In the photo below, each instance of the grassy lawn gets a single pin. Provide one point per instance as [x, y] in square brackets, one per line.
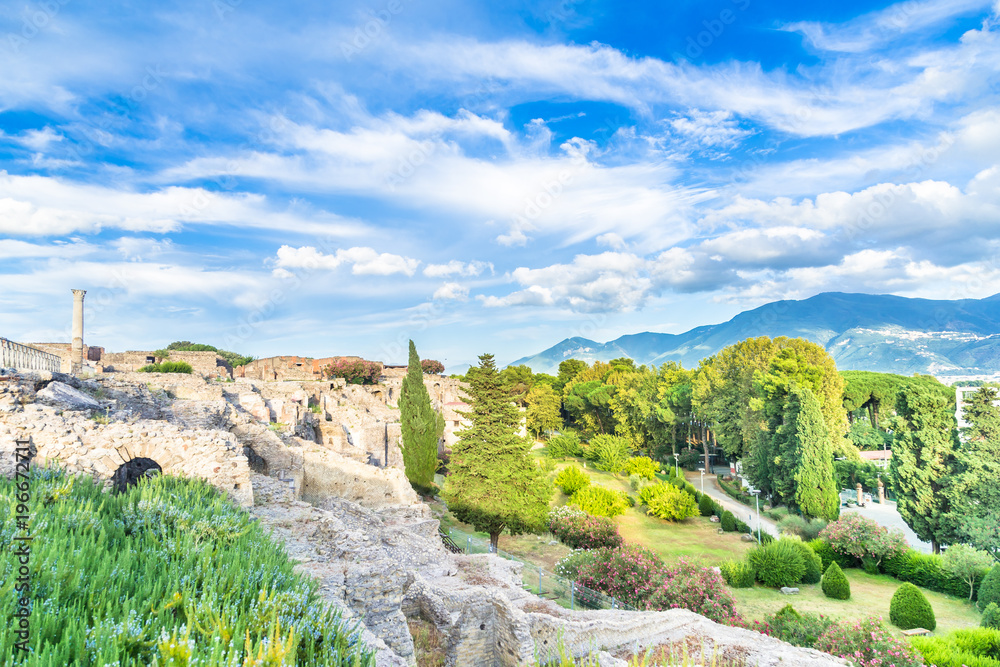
[870, 596]
[694, 539]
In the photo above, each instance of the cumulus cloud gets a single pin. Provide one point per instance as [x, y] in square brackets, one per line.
[363, 261]
[452, 292]
[457, 268]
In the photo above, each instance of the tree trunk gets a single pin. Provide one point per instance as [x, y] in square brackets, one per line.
[708, 434]
[935, 547]
[495, 540]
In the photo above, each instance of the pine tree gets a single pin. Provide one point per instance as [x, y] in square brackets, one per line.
[421, 427]
[807, 451]
[494, 483]
[975, 500]
[923, 463]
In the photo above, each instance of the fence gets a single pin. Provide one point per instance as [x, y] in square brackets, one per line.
[26, 358]
[545, 584]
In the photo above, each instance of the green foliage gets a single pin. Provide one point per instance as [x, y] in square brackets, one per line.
[600, 501]
[926, 571]
[909, 609]
[991, 616]
[738, 573]
[707, 506]
[421, 427]
[966, 563]
[923, 449]
[977, 505]
[777, 564]
[564, 445]
[354, 371]
[162, 354]
[807, 529]
[813, 572]
[859, 537]
[571, 479]
[494, 484]
[947, 651]
[835, 584]
[543, 410]
[609, 452]
[234, 359]
[570, 564]
[728, 521]
[989, 589]
[431, 366]
[168, 367]
[672, 504]
[642, 466]
[169, 568]
[797, 629]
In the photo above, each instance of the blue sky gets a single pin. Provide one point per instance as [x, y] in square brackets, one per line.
[335, 178]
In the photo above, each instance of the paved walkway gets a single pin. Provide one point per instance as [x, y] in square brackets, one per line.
[887, 515]
[741, 511]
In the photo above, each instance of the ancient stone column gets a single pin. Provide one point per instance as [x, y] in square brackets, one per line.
[881, 492]
[77, 349]
[861, 495]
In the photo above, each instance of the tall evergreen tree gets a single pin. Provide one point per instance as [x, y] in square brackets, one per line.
[807, 455]
[421, 427]
[976, 496]
[494, 483]
[923, 463]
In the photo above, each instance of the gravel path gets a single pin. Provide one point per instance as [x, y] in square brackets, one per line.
[741, 511]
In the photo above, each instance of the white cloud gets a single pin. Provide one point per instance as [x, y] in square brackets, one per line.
[39, 140]
[363, 261]
[714, 129]
[457, 268]
[11, 249]
[451, 291]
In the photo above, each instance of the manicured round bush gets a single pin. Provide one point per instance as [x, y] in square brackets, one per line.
[777, 564]
[813, 565]
[835, 583]
[991, 616]
[672, 504]
[706, 506]
[642, 466]
[728, 521]
[571, 479]
[909, 609]
[600, 501]
[738, 573]
[989, 590]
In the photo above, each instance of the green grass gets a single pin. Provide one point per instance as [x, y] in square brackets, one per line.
[169, 572]
[694, 539]
[870, 595]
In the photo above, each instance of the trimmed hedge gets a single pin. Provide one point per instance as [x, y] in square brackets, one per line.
[991, 616]
[925, 571]
[940, 652]
[989, 589]
[835, 584]
[728, 521]
[828, 555]
[814, 565]
[909, 609]
[706, 506]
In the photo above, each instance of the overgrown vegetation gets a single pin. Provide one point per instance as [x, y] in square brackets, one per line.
[168, 573]
[233, 358]
[168, 367]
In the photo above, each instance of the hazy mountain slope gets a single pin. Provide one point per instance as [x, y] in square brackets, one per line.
[861, 331]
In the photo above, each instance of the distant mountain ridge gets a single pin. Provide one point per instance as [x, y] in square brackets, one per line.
[875, 332]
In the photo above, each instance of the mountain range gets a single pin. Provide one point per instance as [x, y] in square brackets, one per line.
[874, 332]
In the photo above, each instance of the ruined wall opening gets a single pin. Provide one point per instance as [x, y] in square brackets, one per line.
[130, 472]
[257, 463]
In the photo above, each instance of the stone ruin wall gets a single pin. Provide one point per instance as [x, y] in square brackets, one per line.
[208, 364]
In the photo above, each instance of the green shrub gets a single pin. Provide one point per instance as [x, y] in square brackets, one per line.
[926, 571]
[600, 501]
[974, 647]
[742, 527]
[777, 564]
[813, 573]
[989, 589]
[571, 479]
[807, 529]
[570, 564]
[777, 513]
[609, 452]
[991, 616]
[797, 629]
[738, 573]
[563, 445]
[869, 565]
[649, 491]
[867, 643]
[672, 504]
[706, 506]
[168, 367]
[835, 584]
[828, 555]
[167, 572]
[642, 466]
[909, 609]
[728, 521]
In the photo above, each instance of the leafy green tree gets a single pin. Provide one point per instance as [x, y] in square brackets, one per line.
[518, 380]
[421, 427]
[568, 370]
[804, 468]
[923, 462]
[967, 563]
[543, 410]
[494, 484]
[671, 413]
[976, 496]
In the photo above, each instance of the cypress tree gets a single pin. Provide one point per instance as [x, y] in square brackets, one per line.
[494, 483]
[975, 499]
[923, 462]
[808, 449]
[421, 427]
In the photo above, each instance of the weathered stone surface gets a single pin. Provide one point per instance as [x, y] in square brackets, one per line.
[66, 397]
[787, 590]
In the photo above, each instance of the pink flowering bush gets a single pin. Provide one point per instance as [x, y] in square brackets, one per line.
[579, 530]
[868, 644]
[355, 371]
[698, 589]
[630, 573]
[860, 537]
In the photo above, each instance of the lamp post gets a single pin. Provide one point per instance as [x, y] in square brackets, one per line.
[677, 470]
[756, 496]
[702, 471]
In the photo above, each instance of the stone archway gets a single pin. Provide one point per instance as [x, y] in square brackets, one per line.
[129, 473]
